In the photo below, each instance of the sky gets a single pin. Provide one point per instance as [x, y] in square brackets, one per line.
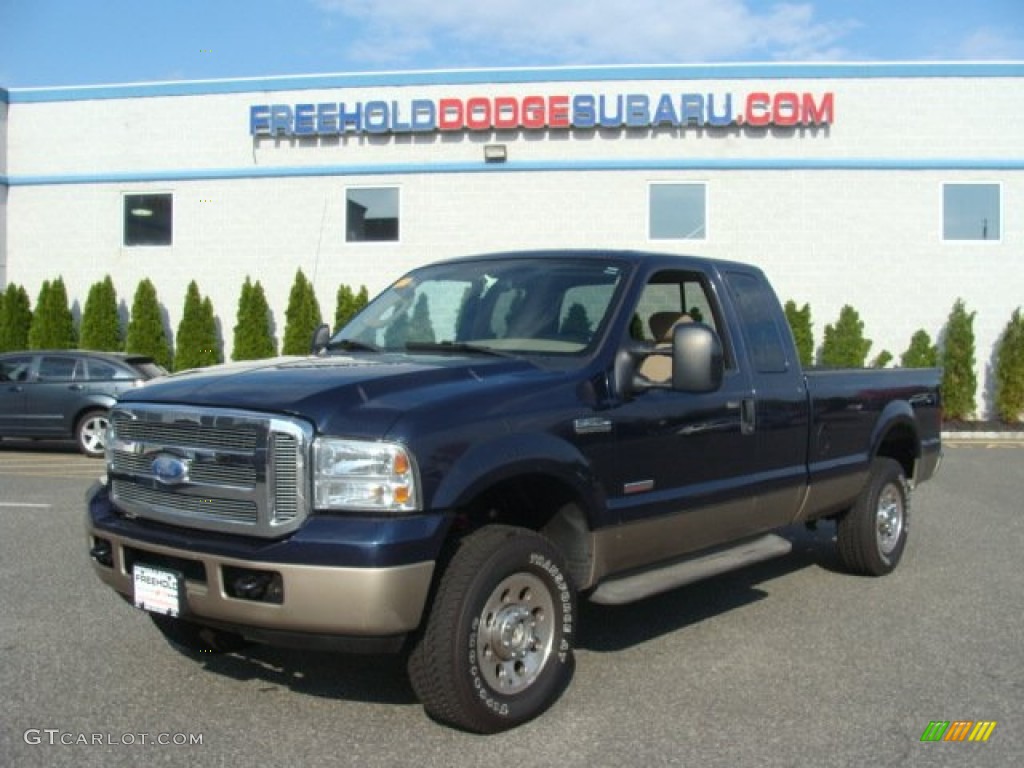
[91, 42]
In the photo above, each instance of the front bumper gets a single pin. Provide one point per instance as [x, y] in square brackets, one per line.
[362, 591]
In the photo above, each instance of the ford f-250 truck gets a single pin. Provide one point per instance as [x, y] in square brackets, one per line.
[488, 441]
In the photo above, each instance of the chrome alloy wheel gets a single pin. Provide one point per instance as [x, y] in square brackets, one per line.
[92, 433]
[889, 518]
[516, 635]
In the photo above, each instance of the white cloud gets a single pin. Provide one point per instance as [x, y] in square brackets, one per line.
[459, 32]
[988, 43]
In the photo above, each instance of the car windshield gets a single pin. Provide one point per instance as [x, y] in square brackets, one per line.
[554, 306]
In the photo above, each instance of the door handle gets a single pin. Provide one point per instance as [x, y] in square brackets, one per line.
[76, 387]
[748, 416]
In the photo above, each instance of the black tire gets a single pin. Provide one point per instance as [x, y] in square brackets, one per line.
[196, 639]
[90, 433]
[872, 535]
[496, 650]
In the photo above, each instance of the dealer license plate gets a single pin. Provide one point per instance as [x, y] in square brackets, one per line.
[158, 590]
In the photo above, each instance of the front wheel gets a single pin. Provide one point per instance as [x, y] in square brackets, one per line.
[497, 647]
[872, 535]
[90, 433]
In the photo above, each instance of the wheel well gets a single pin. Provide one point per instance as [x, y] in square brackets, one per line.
[900, 444]
[540, 503]
[89, 409]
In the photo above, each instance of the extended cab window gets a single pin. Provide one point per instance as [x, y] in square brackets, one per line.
[757, 308]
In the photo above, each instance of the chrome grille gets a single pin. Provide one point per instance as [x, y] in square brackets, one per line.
[230, 470]
[195, 506]
[286, 475]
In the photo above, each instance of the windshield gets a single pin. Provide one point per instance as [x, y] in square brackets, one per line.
[554, 306]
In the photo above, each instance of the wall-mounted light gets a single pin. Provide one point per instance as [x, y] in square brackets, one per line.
[143, 212]
[495, 153]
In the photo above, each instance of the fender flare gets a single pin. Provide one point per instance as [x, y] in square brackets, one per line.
[896, 415]
[512, 455]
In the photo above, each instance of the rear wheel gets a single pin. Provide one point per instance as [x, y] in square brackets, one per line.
[872, 535]
[496, 650]
[90, 433]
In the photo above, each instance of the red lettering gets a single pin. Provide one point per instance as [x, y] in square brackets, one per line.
[786, 109]
[558, 111]
[817, 114]
[450, 115]
[478, 114]
[533, 112]
[506, 113]
[758, 113]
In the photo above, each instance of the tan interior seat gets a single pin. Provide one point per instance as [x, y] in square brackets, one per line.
[659, 367]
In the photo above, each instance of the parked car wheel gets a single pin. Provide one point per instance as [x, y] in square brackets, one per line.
[496, 650]
[872, 535]
[90, 433]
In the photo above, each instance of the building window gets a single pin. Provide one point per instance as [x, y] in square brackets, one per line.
[971, 212]
[149, 219]
[371, 215]
[678, 212]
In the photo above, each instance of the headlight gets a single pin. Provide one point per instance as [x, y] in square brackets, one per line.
[358, 475]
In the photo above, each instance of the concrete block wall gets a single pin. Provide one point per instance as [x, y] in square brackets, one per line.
[848, 213]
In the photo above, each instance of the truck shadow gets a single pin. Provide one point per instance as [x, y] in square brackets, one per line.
[609, 628]
[374, 679]
[381, 679]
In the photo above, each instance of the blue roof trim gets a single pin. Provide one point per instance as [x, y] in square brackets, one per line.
[523, 75]
[681, 164]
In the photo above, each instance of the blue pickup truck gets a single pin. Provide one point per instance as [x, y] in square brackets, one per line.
[489, 441]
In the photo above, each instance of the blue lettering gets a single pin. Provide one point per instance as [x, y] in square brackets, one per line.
[326, 119]
[281, 119]
[259, 120]
[724, 119]
[638, 110]
[584, 112]
[376, 117]
[396, 124]
[693, 109]
[424, 115]
[353, 120]
[304, 119]
[608, 121]
[666, 112]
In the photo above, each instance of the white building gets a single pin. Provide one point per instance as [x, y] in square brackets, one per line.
[895, 188]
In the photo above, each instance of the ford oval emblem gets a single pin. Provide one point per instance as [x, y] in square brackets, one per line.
[170, 469]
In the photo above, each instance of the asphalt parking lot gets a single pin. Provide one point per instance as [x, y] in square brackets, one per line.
[789, 663]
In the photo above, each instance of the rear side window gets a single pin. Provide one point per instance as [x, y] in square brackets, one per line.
[100, 370]
[57, 369]
[146, 368]
[757, 308]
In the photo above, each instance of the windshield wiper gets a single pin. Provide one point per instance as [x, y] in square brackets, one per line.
[452, 347]
[351, 344]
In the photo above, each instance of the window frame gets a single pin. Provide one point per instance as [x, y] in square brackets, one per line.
[682, 277]
[125, 195]
[942, 213]
[397, 188]
[704, 185]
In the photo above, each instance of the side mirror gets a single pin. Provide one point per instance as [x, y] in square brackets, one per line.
[698, 363]
[321, 336]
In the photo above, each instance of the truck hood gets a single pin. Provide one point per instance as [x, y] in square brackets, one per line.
[354, 394]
